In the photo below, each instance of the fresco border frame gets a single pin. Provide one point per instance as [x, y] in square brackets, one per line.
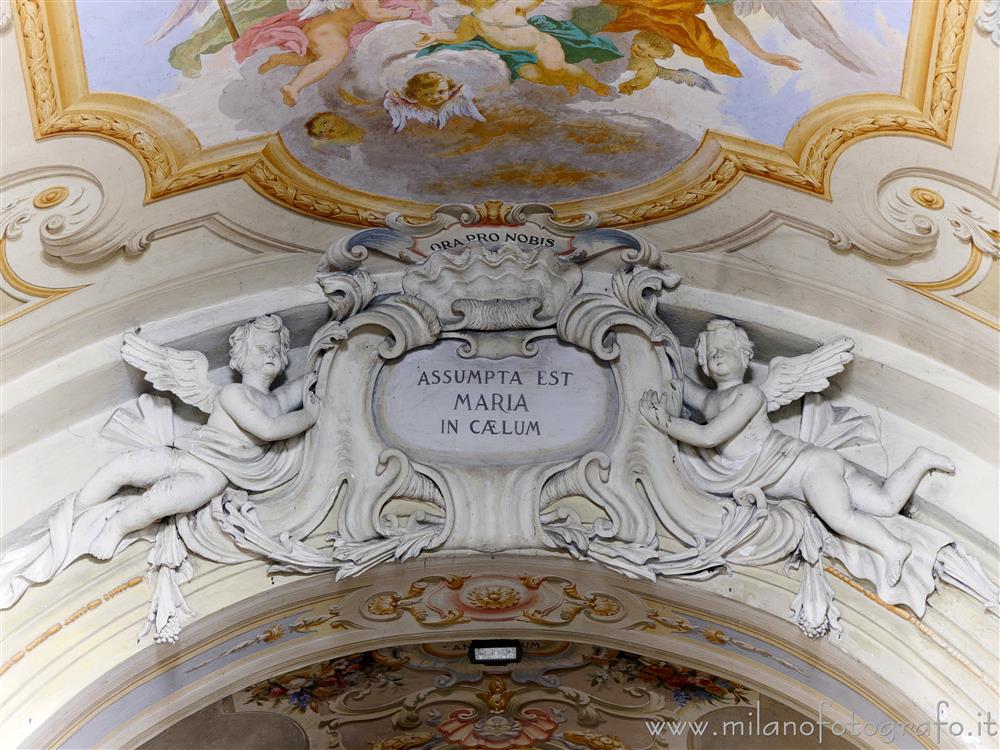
[174, 161]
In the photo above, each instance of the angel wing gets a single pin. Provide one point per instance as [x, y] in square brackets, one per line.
[185, 374]
[790, 378]
[184, 9]
[683, 75]
[460, 105]
[402, 110]
[804, 20]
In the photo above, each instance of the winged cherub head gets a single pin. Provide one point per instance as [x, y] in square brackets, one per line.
[724, 350]
[429, 97]
[260, 346]
[429, 89]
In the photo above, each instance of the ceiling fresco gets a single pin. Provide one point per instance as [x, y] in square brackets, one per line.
[349, 109]
[561, 696]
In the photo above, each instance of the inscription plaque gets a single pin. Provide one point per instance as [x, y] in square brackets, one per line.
[438, 406]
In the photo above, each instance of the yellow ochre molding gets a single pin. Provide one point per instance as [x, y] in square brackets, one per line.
[50, 197]
[927, 198]
[43, 295]
[932, 289]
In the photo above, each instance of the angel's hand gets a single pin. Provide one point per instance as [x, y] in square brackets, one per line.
[427, 39]
[628, 87]
[653, 407]
[785, 61]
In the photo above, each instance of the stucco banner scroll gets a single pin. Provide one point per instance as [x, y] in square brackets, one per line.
[499, 394]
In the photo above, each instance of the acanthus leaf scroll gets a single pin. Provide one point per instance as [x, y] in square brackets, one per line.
[272, 467]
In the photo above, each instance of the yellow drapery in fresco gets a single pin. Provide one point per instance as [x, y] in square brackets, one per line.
[678, 21]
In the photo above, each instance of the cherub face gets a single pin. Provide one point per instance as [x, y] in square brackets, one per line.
[723, 356]
[436, 94]
[645, 48]
[328, 127]
[263, 354]
[641, 49]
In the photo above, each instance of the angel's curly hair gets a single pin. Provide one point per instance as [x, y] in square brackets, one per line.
[720, 325]
[421, 81]
[657, 42]
[239, 340]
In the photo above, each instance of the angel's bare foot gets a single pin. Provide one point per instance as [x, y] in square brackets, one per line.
[271, 63]
[895, 561]
[601, 89]
[290, 97]
[572, 88]
[934, 461]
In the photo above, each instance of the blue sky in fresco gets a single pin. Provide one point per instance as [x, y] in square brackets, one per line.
[126, 63]
[771, 126]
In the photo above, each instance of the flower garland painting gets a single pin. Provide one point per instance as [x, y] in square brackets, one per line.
[561, 695]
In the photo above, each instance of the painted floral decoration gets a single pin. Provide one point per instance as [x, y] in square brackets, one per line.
[604, 606]
[684, 684]
[493, 597]
[310, 688]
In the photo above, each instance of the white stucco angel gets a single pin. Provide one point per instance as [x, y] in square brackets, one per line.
[249, 442]
[738, 448]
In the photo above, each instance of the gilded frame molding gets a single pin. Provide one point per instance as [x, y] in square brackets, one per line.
[174, 161]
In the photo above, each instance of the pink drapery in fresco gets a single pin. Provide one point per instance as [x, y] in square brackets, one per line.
[285, 30]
